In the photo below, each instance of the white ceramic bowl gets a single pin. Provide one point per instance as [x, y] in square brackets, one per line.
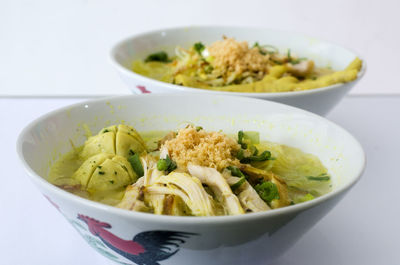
[247, 239]
[324, 53]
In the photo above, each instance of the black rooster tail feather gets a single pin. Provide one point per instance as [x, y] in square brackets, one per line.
[160, 245]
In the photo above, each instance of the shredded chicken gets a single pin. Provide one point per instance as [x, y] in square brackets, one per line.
[151, 174]
[247, 195]
[132, 199]
[219, 186]
[188, 188]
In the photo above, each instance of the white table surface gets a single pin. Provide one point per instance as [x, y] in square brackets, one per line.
[362, 229]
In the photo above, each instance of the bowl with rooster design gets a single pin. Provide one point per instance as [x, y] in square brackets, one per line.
[129, 237]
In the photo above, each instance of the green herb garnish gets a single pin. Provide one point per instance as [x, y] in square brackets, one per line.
[266, 155]
[199, 47]
[158, 57]
[101, 172]
[111, 181]
[268, 191]
[136, 164]
[105, 130]
[322, 177]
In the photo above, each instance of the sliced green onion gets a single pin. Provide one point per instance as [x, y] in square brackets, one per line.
[265, 49]
[240, 139]
[236, 172]
[298, 60]
[240, 154]
[260, 50]
[171, 164]
[267, 191]
[254, 150]
[277, 62]
[238, 184]
[274, 49]
[322, 177]
[166, 164]
[266, 155]
[136, 164]
[289, 55]
[162, 165]
[157, 57]
[208, 69]
[199, 47]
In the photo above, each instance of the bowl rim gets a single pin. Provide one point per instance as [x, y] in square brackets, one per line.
[289, 94]
[182, 220]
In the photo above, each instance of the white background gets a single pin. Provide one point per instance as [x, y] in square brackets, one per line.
[51, 47]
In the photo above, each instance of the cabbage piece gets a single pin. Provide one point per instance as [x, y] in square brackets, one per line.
[117, 140]
[298, 169]
[249, 137]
